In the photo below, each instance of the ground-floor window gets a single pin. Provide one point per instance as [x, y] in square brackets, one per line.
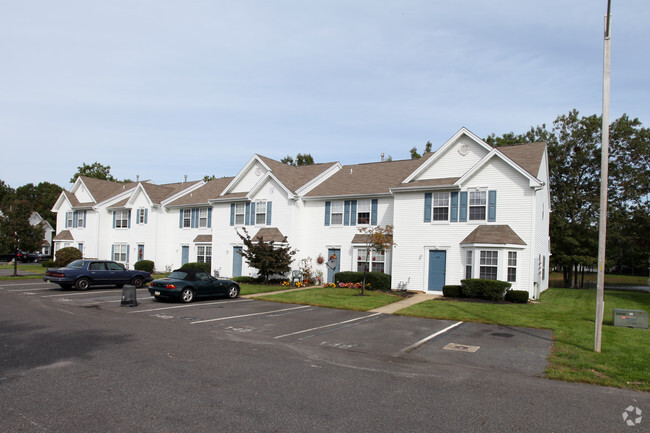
[512, 266]
[468, 264]
[376, 260]
[204, 254]
[121, 253]
[489, 265]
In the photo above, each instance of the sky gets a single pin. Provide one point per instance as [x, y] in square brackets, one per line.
[161, 89]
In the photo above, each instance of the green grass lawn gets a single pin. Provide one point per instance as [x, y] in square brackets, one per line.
[36, 269]
[252, 289]
[624, 360]
[631, 280]
[345, 299]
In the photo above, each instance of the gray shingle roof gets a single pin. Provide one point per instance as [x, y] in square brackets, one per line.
[527, 156]
[493, 234]
[295, 177]
[64, 235]
[201, 195]
[267, 234]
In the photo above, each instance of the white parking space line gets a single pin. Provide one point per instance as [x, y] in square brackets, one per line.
[81, 293]
[35, 281]
[250, 315]
[432, 336]
[34, 289]
[200, 304]
[327, 326]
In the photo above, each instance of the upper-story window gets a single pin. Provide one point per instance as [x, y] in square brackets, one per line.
[240, 213]
[142, 216]
[363, 212]
[477, 205]
[260, 212]
[203, 217]
[69, 221]
[187, 218]
[121, 219]
[441, 206]
[337, 213]
[80, 219]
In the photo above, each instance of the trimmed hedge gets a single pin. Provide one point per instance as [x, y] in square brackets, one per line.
[246, 279]
[492, 290]
[452, 291]
[377, 280]
[200, 266]
[517, 296]
[144, 265]
[67, 255]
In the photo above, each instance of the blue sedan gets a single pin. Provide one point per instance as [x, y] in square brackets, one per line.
[85, 273]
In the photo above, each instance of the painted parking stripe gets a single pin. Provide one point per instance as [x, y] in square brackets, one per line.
[250, 315]
[79, 293]
[430, 337]
[35, 281]
[190, 305]
[34, 289]
[326, 326]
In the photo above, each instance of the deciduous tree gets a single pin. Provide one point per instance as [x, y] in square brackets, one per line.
[16, 233]
[268, 257]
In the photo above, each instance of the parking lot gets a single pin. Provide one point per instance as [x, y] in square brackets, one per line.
[323, 331]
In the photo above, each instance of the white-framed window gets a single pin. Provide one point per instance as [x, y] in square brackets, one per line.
[512, 266]
[489, 265]
[120, 252]
[204, 253]
[468, 264]
[187, 218]
[336, 216]
[69, 219]
[203, 217]
[375, 259]
[121, 219]
[240, 213]
[260, 212]
[440, 206]
[141, 219]
[80, 247]
[477, 205]
[363, 212]
[80, 219]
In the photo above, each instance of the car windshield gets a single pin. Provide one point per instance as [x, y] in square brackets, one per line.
[77, 264]
[178, 275]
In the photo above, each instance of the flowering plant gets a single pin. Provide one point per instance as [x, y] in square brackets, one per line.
[329, 285]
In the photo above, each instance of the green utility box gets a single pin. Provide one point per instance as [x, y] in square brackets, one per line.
[630, 318]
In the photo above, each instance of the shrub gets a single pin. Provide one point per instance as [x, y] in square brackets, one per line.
[452, 291]
[517, 296]
[492, 290]
[200, 266]
[245, 279]
[67, 255]
[377, 280]
[144, 265]
[48, 263]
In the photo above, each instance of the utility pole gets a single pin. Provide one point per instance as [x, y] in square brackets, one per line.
[604, 176]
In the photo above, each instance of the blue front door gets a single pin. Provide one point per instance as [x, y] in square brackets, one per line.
[185, 254]
[333, 265]
[437, 267]
[236, 261]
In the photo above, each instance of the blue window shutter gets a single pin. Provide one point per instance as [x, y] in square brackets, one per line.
[85, 219]
[127, 253]
[269, 208]
[427, 207]
[248, 214]
[492, 206]
[66, 220]
[353, 213]
[232, 214]
[373, 212]
[114, 220]
[128, 220]
[146, 211]
[180, 218]
[112, 252]
[328, 206]
[75, 219]
[209, 217]
[463, 206]
[346, 213]
[192, 218]
[137, 216]
[454, 207]
[253, 213]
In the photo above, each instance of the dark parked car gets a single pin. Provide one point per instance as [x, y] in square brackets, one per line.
[188, 284]
[85, 273]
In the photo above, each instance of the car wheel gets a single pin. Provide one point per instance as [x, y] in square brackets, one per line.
[137, 282]
[82, 284]
[233, 292]
[187, 295]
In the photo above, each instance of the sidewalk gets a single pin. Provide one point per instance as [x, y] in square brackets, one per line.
[396, 306]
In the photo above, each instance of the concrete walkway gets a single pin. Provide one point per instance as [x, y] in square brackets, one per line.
[412, 300]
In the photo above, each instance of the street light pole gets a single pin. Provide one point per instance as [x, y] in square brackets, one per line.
[604, 175]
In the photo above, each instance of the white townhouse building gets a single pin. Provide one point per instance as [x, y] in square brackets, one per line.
[465, 211]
